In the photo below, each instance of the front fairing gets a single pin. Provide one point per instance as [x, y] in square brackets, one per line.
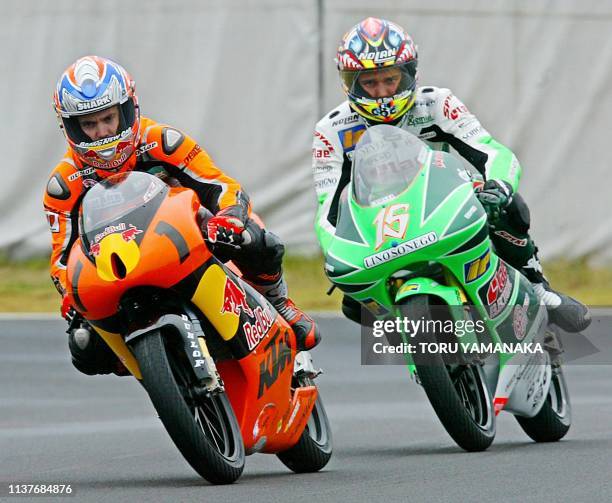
[135, 231]
[434, 227]
[434, 215]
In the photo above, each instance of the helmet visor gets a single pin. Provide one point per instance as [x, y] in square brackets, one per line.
[74, 131]
[376, 83]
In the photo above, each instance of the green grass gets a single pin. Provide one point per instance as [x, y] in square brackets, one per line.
[26, 287]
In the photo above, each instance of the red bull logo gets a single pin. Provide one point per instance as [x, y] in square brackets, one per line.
[94, 249]
[255, 332]
[234, 299]
[130, 233]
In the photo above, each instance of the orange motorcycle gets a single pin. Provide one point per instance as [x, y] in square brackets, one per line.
[218, 362]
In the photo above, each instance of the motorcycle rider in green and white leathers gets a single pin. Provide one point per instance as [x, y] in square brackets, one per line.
[377, 61]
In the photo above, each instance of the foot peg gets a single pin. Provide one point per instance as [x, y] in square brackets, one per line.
[303, 366]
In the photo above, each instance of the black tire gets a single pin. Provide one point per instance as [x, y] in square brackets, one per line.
[555, 417]
[463, 405]
[314, 448]
[219, 458]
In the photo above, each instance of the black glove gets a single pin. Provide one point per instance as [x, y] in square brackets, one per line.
[494, 196]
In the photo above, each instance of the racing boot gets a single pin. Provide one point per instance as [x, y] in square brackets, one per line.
[553, 346]
[306, 331]
[90, 354]
[564, 311]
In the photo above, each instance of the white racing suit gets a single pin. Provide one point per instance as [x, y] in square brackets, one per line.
[442, 121]
[437, 117]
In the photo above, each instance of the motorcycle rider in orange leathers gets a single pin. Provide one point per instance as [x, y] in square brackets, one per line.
[98, 110]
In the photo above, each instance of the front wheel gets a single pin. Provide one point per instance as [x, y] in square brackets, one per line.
[314, 448]
[555, 417]
[204, 429]
[457, 393]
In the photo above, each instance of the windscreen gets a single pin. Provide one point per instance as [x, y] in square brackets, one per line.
[385, 162]
[115, 197]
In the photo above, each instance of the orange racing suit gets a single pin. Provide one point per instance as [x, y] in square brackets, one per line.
[162, 150]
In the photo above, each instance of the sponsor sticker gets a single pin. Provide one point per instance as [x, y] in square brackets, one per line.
[326, 183]
[520, 319]
[145, 148]
[256, 330]
[438, 160]
[130, 233]
[277, 358]
[417, 121]
[109, 230]
[402, 249]
[409, 287]
[499, 291]
[234, 299]
[53, 219]
[93, 104]
[471, 133]
[453, 108]
[321, 153]
[94, 249]
[88, 183]
[81, 172]
[346, 120]
[376, 308]
[378, 56]
[192, 153]
[324, 141]
[512, 239]
[349, 137]
[475, 269]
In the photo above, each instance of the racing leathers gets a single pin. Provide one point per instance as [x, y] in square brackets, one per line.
[176, 158]
[441, 120]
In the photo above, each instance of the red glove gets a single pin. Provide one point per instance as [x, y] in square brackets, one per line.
[225, 227]
[67, 310]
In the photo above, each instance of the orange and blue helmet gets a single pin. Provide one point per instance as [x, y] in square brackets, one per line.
[378, 64]
[90, 85]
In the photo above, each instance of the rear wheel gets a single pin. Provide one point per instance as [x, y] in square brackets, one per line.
[555, 417]
[203, 428]
[457, 393]
[314, 448]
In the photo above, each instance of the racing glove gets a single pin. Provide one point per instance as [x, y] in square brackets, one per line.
[495, 195]
[227, 226]
[68, 312]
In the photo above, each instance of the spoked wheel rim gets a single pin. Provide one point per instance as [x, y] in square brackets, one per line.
[208, 412]
[473, 394]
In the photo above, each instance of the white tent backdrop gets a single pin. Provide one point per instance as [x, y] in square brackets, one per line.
[249, 79]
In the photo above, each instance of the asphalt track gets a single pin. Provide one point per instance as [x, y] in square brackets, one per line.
[101, 435]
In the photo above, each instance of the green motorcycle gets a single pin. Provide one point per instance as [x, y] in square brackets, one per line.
[412, 246]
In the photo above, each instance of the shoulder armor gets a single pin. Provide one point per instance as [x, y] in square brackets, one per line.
[171, 140]
[57, 187]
